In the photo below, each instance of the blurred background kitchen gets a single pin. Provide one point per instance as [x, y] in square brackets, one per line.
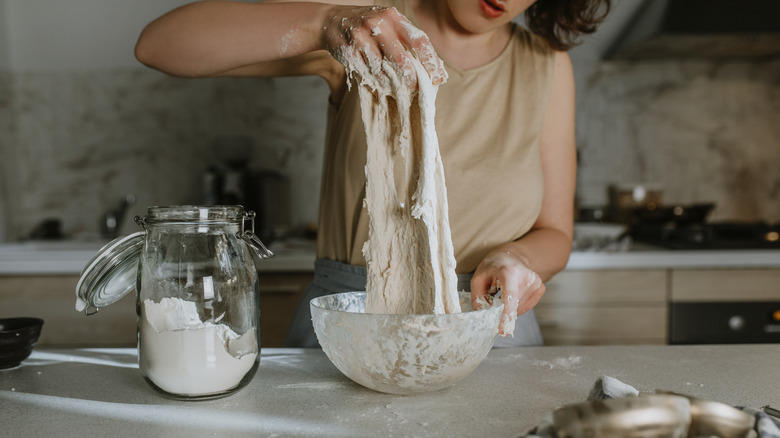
[669, 124]
[82, 124]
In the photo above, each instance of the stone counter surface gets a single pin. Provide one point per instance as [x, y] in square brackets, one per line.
[300, 393]
[70, 258]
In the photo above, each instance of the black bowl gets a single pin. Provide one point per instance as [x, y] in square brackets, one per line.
[17, 339]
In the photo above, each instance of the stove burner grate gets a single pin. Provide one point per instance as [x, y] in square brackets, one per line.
[719, 235]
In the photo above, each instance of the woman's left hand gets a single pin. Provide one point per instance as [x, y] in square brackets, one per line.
[503, 271]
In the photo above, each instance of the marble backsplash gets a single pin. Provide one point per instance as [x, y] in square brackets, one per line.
[73, 143]
[706, 131]
[82, 140]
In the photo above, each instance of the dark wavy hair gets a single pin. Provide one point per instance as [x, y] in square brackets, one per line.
[561, 22]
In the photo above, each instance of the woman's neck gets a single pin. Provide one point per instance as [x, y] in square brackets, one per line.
[458, 46]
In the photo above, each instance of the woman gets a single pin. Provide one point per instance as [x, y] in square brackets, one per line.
[504, 117]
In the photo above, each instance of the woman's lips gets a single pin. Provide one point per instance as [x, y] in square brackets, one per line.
[490, 9]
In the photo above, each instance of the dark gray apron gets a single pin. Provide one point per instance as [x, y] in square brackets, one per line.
[332, 277]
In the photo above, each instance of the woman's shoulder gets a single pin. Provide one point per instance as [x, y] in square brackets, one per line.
[532, 52]
[531, 42]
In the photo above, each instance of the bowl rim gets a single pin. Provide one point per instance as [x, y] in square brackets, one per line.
[437, 315]
[20, 323]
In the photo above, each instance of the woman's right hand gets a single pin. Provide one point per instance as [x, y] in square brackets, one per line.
[369, 35]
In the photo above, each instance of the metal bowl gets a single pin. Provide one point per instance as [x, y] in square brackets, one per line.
[711, 418]
[17, 339]
[632, 417]
[403, 354]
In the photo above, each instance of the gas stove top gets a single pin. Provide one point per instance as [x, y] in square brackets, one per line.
[703, 236]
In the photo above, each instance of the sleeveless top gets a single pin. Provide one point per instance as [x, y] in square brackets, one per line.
[488, 120]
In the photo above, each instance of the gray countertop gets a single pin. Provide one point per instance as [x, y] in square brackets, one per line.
[300, 393]
[70, 258]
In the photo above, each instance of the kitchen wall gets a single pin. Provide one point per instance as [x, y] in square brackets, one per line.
[708, 131]
[5, 114]
[78, 132]
[86, 123]
[82, 140]
[5, 140]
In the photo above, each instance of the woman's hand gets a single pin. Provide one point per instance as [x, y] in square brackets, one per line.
[503, 271]
[367, 36]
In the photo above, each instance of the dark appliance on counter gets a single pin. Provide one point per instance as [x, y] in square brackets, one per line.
[708, 236]
[682, 226]
[232, 180]
[724, 322]
[749, 319]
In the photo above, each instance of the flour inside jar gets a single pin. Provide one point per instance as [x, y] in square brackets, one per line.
[183, 355]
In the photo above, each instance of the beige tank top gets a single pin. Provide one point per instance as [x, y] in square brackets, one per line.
[488, 120]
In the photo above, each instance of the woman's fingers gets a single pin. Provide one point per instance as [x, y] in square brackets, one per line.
[520, 287]
[481, 291]
[425, 52]
[415, 41]
[534, 289]
[379, 42]
[522, 291]
[511, 298]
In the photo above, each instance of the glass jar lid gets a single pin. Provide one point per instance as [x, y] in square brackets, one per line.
[111, 274]
[194, 214]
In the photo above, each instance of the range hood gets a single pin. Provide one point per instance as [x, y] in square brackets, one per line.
[669, 29]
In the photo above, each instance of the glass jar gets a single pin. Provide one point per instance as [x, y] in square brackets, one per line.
[197, 297]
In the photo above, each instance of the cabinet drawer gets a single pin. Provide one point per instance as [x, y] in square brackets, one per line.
[280, 295]
[607, 286]
[53, 299]
[725, 285]
[588, 325]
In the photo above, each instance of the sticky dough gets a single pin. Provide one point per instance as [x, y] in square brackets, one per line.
[409, 254]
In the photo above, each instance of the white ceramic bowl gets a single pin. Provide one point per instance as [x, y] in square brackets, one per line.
[403, 354]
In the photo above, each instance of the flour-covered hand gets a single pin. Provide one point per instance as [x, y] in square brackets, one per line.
[380, 37]
[520, 287]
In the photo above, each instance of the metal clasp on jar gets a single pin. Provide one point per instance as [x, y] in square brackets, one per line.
[249, 236]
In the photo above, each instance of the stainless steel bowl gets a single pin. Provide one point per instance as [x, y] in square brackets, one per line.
[711, 418]
[633, 417]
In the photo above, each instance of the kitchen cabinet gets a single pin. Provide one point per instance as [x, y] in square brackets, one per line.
[724, 306]
[53, 297]
[631, 306]
[725, 285]
[591, 307]
[582, 306]
[280, 294]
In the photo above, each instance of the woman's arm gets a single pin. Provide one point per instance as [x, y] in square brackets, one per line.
[220, 38]
[276, 38]
[519, 268]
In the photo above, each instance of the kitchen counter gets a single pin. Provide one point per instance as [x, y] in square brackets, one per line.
[659, 258]
[63, 258]
[70, 258]
[300, 393]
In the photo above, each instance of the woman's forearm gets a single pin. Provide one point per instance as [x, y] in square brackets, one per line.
[210, 38]
[519, 269]
[545, 251]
